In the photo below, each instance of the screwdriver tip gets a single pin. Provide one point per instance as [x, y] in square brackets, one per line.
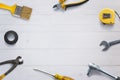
[35, 69]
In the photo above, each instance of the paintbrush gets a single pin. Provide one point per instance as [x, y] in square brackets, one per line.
[19, 11]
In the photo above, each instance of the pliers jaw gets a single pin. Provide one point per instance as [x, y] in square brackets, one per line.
[57, 6]
[14, 62]
[19, 60]
[60, 5]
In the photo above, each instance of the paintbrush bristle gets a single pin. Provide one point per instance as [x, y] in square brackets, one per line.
[23, 12]
[26, 12]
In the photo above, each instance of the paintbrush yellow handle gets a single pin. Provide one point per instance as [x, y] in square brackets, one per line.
[2, 76]
[10, 8]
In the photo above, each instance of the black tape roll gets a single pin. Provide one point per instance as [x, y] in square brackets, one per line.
[6, 37]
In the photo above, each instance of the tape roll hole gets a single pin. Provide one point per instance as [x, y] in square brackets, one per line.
[11, 37]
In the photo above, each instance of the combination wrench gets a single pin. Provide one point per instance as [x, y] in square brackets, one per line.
[94, 67]
[109, 44]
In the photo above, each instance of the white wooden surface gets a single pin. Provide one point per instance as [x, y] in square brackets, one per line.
[60, 42]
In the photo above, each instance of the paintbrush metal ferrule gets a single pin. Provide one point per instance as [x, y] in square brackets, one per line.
[18, 11]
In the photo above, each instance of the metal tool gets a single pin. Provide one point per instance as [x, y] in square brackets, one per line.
[109, 44]
[15, 63]
[23, 12]
[56, 76]
[63, 6]
[94, 67]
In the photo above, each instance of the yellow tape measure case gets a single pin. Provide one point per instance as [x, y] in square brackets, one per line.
[107, 16]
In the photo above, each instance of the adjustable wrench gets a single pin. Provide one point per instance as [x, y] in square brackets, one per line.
[109, 44]
[94, 67]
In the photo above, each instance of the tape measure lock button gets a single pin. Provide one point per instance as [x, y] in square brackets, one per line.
[107, 16]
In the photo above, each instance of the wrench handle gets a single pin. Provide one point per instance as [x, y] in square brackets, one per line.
[114, 42]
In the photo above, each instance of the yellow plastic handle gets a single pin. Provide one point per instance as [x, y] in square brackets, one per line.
[64, 6]
[61, 1]
[2, 76]
[59, 77]
[80, 1]
[10, 8]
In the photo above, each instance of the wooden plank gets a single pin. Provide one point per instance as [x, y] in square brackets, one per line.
[63, 40]
[60, 42]
[42, 7]
[77, 72]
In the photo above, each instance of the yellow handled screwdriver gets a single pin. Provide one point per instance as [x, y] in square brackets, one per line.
[56, 76]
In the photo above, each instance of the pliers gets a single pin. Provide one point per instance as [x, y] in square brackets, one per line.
[14, 62]
[63, 6]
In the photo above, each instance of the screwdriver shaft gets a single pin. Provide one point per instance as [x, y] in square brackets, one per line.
[43, 72]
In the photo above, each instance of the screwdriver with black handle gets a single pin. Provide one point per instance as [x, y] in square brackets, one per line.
[56, 76]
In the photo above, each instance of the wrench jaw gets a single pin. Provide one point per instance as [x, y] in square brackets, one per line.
[106, 44]
[89, 72]
[92, 67]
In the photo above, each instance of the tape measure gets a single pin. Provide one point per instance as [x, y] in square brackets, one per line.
[107, 16]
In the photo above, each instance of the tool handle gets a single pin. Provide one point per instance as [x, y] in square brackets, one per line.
[2, 76]
[59, 77]
[61, 1]
[67, 78]
[10, 8]
[76, 3]
[114, 42]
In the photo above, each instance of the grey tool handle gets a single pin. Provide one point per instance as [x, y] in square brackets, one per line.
[118, 78]
[114, 42]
